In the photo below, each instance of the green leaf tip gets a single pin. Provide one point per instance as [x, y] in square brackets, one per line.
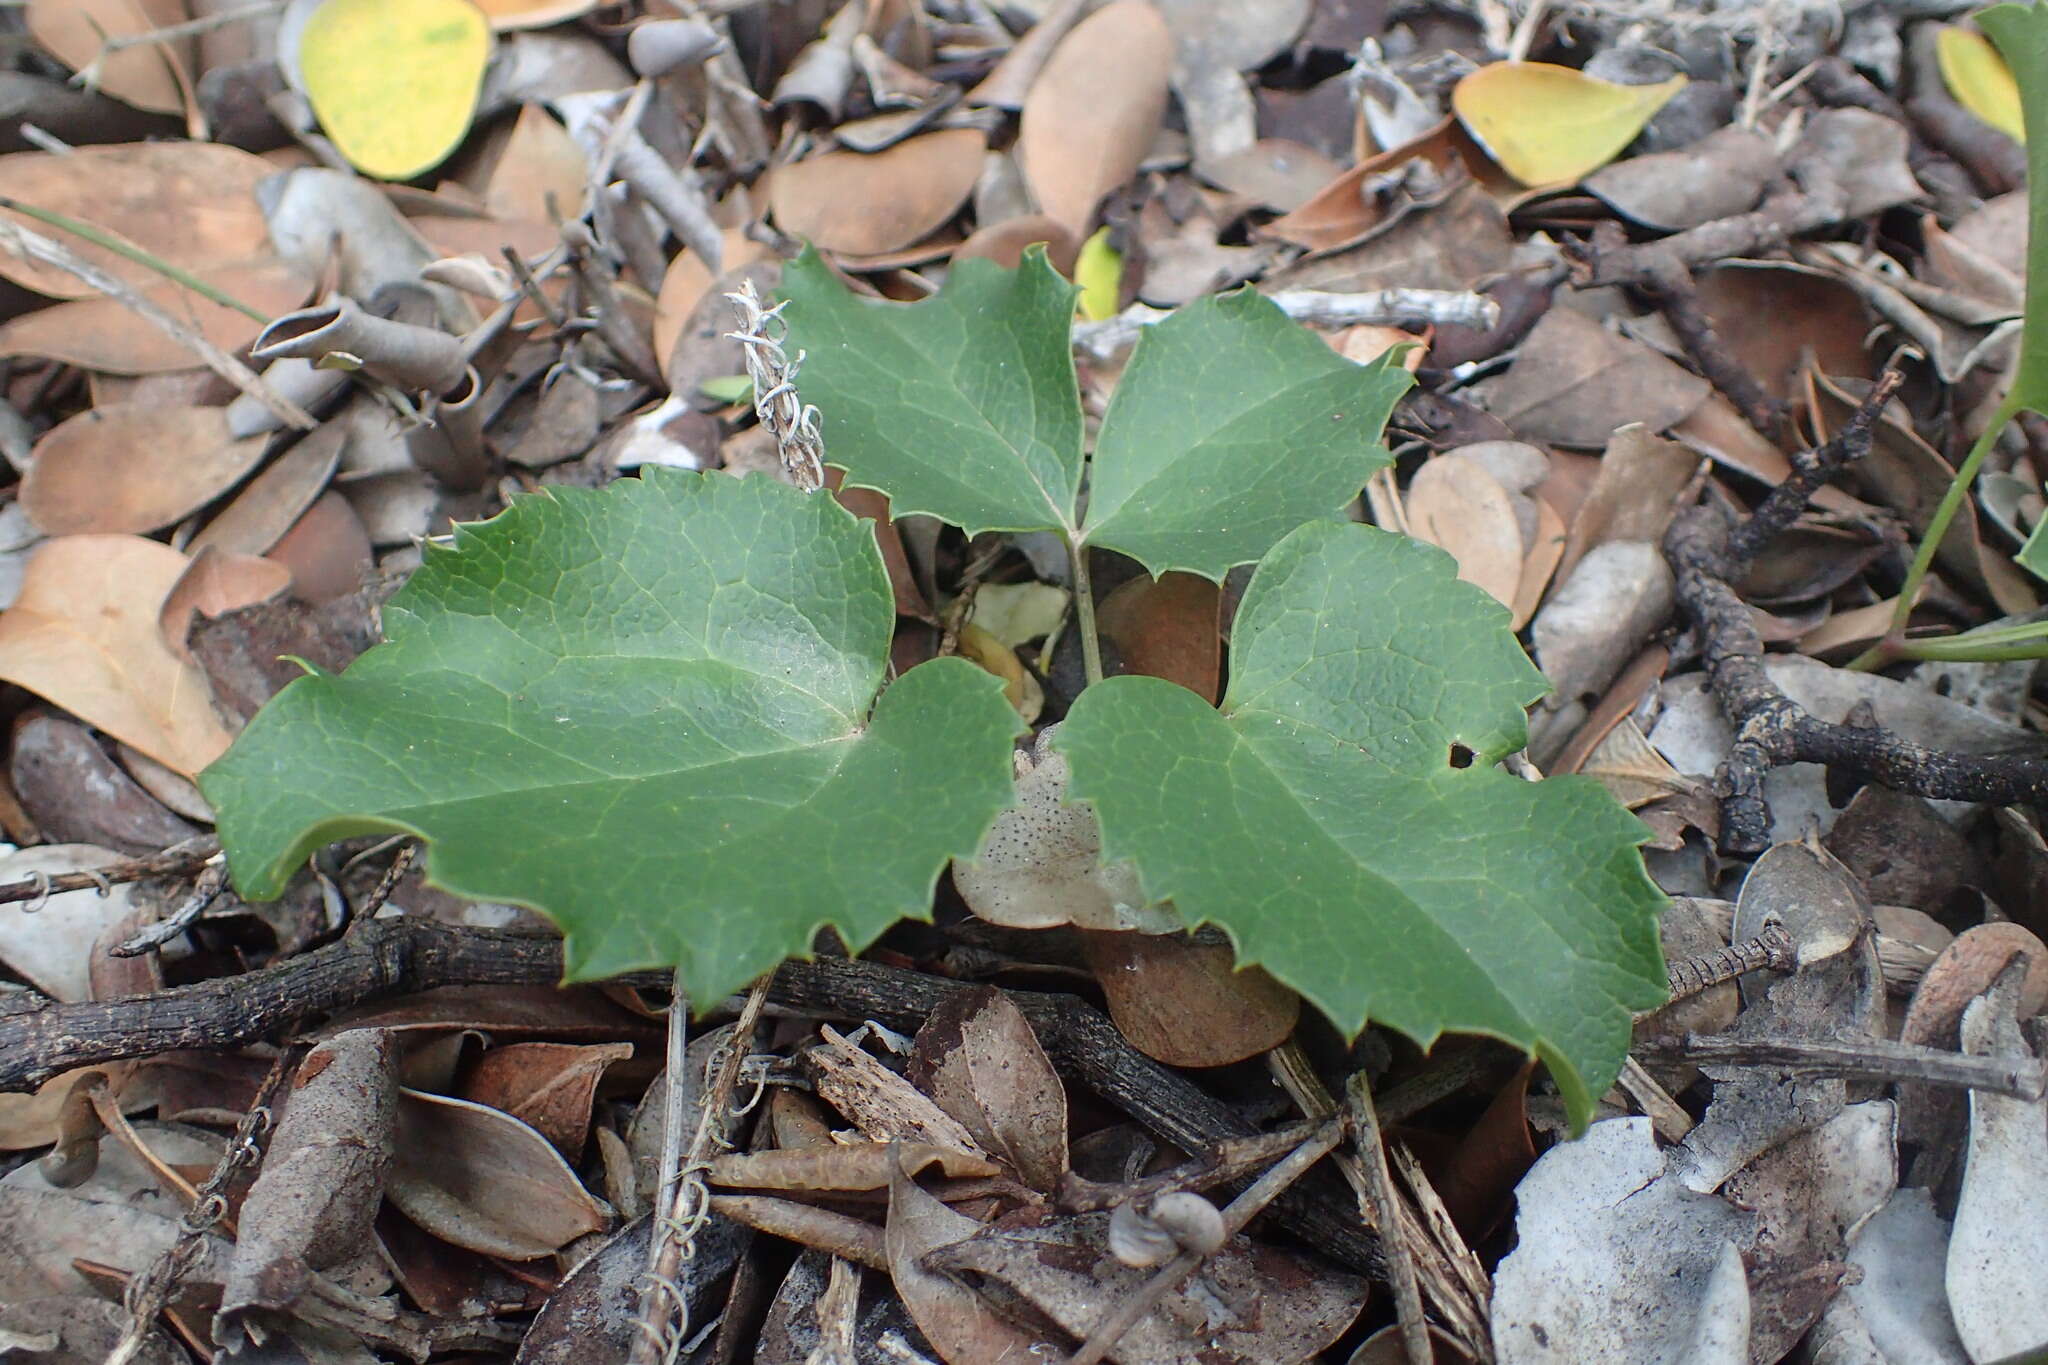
[2020, 32]
[648, 711]
[1342, 819]
[1231, 425]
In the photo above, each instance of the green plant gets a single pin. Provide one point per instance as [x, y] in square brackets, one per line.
[2020, 32]
[650, 711]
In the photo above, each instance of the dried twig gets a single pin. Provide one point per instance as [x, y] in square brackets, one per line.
[1858, 1059]
[1313, 307]
[684, 1202]
[1770, 728]
[34, 246]
[179, 860]
[1379, 1186]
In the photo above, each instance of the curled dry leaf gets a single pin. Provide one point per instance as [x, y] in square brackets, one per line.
[978, 1057]
[190, 203]
[1093, 112]
[2000, 1239]
[548, 1085]
[866, 205]
[486, 1182]
[84, 634]
[323, 1176]
[844, 1166]
[104, 336]
[133, 467]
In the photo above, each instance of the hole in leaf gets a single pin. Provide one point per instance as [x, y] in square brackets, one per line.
[1461, 757]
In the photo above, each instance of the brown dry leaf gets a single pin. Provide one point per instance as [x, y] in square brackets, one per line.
[1722, 174]
[865, 205]
[1040, 865]
[1718, 432]
[1341, 212]
[685, 284]
[977, 1056]
[1455, 238]
[486, 1182]
[104, 336]
[866, 502]
[323, 1176]
[957, 1321]
[133, 467]
[1907, 474]
[1539, 567]
[78, 793]
[216, 582]
[327, 552]
[1633, 497]
[1770, 315]
[33, 1120]
[1187, 1004]
[1454, 504]
[548, 1085]
[843, 1166]
[190, 203]
[149, 76]
[276, 499]
[1477, 1178]
[1633, 772]
[1275, 173]
[1005, 243]
[539, 163]
[1246, 1305]
[1574, 382]
[83, 633]
[1169, 627]
[1093, 112]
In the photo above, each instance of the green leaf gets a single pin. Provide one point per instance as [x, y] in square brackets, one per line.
[1231, 426]
[1322, 817]
[2021, 33]
[963, 406]
[644, 711]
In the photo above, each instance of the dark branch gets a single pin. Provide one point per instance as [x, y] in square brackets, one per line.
[381, 958]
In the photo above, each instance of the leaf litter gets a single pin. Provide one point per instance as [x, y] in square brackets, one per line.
[1834, 1178]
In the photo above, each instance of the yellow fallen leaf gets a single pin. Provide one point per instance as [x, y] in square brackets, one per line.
[1549, 124]
[1979, 79]
[993, 656]
[1099, 270]
[395, 82]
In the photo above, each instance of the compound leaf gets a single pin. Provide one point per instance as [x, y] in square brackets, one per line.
[1231, 426]
[963, 406]
[1341, 818]
[649, 712]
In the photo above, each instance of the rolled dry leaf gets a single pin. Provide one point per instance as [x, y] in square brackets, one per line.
[657, 48]
[400, 354]
[295, 379]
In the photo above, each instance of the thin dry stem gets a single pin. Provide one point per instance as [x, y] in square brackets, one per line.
[30, 245]
[793, 422]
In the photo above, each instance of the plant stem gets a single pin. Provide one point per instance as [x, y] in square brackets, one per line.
[147, 260]
[1084, 612]
[1930, 542]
